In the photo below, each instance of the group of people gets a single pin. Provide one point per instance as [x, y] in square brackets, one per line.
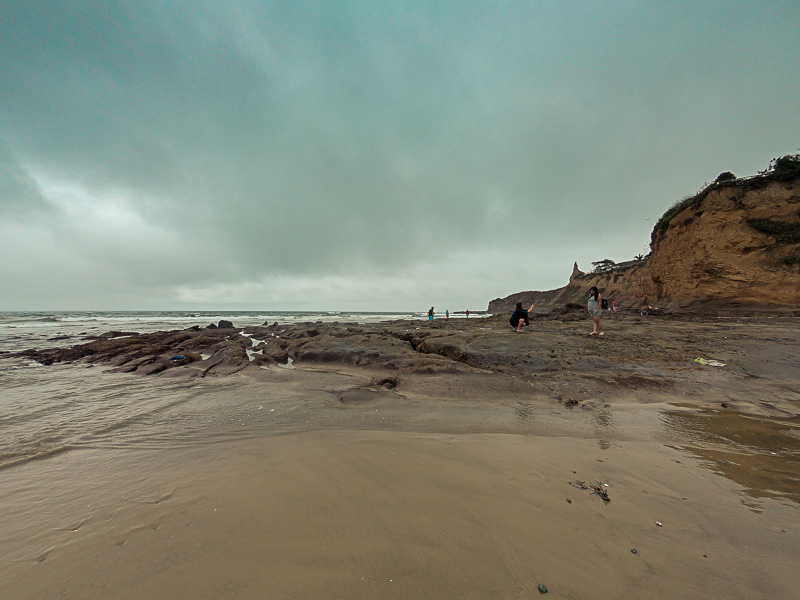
[431, 312]
[521, 318]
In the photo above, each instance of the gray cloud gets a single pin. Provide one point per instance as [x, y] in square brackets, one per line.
[365, 155]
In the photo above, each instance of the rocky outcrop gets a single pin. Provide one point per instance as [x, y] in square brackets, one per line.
[735, 244]
[222, 350]
[484, 359]
[216, 350]
[406, 347]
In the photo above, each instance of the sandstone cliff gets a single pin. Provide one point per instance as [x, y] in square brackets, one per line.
[735, 243]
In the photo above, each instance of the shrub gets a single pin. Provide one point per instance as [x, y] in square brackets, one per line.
[791, 259]
[677, 209]
[783, 232]
[787, 164]
[726, 176]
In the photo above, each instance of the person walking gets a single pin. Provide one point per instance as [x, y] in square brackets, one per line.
[447, 314]
[430, 314]
[595, 306]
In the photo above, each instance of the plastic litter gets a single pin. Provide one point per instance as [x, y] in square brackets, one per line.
[659, 524]
[709, 362]
[542, 588]
[177, 358]
[634, 551]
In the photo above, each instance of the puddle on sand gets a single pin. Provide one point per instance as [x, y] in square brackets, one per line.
[761, 454]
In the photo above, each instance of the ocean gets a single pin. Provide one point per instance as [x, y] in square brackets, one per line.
[23, 330]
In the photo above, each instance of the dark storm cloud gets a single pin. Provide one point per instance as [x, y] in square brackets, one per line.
[180, 150]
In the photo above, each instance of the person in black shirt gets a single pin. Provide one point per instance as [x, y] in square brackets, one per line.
[520, 317]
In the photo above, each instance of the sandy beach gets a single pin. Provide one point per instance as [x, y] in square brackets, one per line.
[359, 514]
[259, 263]
[318, 481]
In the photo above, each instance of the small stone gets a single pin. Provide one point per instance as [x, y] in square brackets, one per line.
[542, 588]
[634, 551]
[569, 501]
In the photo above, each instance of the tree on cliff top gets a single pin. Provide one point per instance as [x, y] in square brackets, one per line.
[603, 266]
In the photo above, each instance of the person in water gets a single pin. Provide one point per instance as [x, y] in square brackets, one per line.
[595, 307]
[519, 319]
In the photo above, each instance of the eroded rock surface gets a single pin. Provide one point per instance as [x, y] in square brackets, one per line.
[643, 359]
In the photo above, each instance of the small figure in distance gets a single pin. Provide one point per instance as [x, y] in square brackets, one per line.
[430, 314]
[468, 313]
[447, 314]
[614, 305]
[595, 307]
[519, 319]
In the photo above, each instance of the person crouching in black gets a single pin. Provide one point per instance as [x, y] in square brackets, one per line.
[520, 317]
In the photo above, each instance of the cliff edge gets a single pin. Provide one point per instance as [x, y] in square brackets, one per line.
[735, 243]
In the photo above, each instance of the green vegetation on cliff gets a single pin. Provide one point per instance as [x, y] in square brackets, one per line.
[780, 169]
[784, 232]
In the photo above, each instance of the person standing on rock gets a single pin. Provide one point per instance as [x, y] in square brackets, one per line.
[430, 314]
[519, 319]
[595, 307]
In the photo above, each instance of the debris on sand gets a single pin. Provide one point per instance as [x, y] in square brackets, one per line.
[709, 362]
[596, 487]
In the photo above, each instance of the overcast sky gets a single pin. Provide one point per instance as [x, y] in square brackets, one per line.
[367, 155]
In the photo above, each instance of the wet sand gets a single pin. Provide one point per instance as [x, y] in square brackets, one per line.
[448, 485]
[365, 514]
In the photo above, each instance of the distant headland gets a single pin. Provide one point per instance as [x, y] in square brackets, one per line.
[736, 243]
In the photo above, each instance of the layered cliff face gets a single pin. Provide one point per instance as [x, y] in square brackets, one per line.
[738, 242]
